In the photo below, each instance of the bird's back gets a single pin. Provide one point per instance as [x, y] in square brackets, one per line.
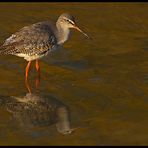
[33, 39]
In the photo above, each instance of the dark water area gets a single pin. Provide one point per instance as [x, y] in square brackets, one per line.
[92, 92]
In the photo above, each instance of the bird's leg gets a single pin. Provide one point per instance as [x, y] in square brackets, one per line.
[37, 66]
[27, 69]
[38, 77]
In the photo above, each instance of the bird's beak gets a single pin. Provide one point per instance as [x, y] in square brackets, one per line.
[77, 28]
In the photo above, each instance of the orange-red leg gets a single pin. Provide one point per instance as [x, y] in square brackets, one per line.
[27, 69]
[37, 66]
[38, 70]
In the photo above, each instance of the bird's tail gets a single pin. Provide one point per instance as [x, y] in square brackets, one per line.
[4, 50]
[7, 49]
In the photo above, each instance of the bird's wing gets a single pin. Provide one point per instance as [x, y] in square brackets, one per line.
[33, 39]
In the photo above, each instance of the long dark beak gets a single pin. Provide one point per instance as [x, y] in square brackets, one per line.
[77, 28]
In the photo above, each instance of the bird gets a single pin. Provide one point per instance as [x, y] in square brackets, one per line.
[37, 40]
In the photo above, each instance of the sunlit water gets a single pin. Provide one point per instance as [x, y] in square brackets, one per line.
[98, 87]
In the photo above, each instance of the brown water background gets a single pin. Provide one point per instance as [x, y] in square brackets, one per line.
[104, 82]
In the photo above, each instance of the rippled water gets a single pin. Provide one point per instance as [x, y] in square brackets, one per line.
[98, 87]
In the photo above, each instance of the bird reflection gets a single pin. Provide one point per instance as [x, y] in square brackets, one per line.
[37, 82]
[36, 109]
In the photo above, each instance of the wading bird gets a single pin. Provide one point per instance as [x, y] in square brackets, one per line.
[37, 40]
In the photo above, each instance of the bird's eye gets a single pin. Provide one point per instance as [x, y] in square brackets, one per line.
[70, 22]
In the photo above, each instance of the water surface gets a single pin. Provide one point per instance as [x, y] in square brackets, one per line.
[103, 82]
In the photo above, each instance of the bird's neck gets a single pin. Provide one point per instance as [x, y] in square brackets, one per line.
[63, 34]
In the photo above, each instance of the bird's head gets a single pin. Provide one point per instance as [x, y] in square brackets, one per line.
[68, 21]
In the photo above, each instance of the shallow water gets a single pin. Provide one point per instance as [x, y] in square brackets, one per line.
[102, 82]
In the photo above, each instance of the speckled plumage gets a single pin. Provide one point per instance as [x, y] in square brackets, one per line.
[34, 40]
[37, 40]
